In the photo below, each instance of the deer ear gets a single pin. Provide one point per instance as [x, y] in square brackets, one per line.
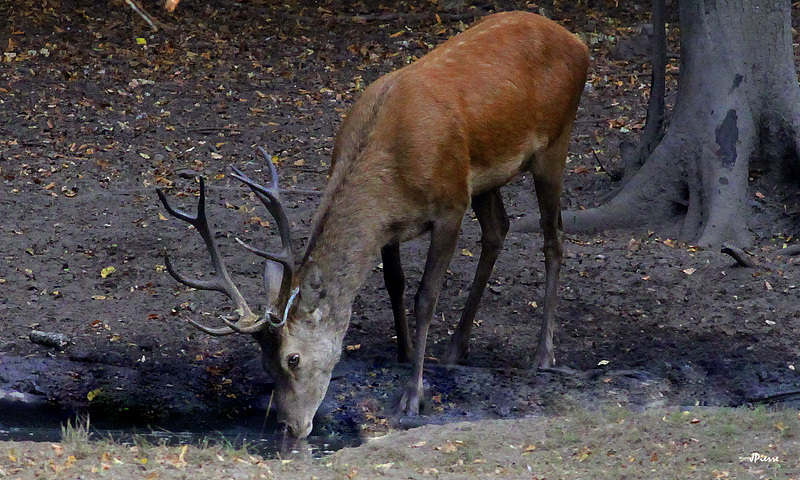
[312, 289]
[273, 277]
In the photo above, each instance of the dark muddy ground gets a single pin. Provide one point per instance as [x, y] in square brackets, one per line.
[96, 111]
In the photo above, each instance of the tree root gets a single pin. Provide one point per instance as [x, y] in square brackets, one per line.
[741, 257]
[777, 398]
[789, 251]
[748, 260]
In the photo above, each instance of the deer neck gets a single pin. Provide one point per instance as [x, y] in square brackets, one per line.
[347, 237]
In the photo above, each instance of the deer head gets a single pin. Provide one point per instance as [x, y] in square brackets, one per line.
[301, 352]
[299, 347]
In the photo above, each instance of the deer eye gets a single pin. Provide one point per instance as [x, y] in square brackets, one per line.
[293, 360]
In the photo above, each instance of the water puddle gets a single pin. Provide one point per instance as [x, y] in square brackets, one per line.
[20, 421]
[266, 446]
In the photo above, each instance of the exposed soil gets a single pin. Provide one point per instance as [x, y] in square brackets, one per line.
[96, 111]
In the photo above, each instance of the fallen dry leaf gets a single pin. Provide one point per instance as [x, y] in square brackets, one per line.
[448, 448]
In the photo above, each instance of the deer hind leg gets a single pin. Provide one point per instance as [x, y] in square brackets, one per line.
[395, 285]
[548, 170]
[443, 241]
[494, 223]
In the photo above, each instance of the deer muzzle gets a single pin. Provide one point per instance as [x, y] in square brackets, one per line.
[298, 427]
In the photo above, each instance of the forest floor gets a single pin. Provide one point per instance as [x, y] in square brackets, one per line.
[96, 111]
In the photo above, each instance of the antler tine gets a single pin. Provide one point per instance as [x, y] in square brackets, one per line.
[273, 172]
[269, 256]
[221, 281]
[270, 197]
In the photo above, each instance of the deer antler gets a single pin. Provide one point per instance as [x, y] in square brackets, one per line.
[248, 321]
[270, 197]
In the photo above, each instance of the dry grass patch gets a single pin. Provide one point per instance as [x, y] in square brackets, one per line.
[609, 444]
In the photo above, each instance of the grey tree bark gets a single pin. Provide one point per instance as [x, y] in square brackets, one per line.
[737, 109]
[634, 155]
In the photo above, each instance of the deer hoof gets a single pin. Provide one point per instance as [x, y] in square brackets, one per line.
[544, 362]
[453, 356]
[409, 402]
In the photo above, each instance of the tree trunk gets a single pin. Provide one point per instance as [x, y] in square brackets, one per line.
[634, 155]
[737, 109]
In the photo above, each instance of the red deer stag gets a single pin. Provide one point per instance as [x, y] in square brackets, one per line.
[419, 145]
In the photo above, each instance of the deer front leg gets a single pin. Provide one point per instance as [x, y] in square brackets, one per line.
[553, 248]
[548, 193]
[395, 285]
[492, 216]
[443, 242]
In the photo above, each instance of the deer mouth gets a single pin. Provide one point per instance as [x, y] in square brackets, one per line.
[294, 429]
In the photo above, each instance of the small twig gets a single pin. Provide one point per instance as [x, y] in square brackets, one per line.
[308, 168]
[296, 191]
[148, 190]
[301, 191]
[140, 10]
[615, 176]
[741, 257]
[410, 17]
[407, 17]
[210, 129]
